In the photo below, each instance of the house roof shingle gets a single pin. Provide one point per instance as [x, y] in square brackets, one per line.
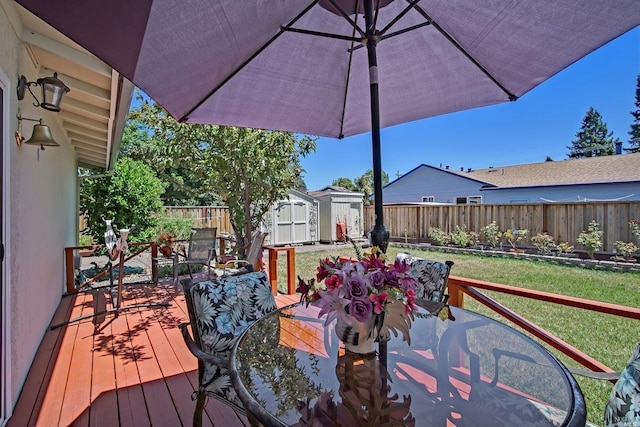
[604, 169]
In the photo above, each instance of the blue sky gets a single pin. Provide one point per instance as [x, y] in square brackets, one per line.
[542, 123]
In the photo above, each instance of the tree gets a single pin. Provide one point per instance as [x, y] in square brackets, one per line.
[365, 184]
[249, 169]
[140, 142]
[131, 195]
[634, 133]
[344, 183]
[593, 139]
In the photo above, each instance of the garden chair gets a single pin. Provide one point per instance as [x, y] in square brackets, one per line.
[219, 311]
[622, 407]
[201, 250]
[431, 277]
[252, 257]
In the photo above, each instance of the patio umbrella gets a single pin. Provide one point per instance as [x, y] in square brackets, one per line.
[337, 67]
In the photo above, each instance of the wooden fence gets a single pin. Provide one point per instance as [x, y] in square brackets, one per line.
[204, 216]
[563, 221]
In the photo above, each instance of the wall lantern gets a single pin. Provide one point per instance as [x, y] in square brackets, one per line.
[52, 91]
[41, 134]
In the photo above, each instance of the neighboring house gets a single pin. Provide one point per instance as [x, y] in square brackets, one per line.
[40, 188]
[603, 178]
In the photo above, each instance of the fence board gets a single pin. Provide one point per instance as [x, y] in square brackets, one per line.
[563, 221]
[203, 216]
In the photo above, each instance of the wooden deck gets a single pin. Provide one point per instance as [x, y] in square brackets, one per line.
[127, 370]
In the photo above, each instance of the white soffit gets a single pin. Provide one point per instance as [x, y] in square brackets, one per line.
[93, 113]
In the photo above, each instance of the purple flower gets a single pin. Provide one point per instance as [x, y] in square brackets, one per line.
[356, 287]
[331, 304]
[376, 278]
[361, 309]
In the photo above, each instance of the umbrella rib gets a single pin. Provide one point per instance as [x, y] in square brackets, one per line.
[346, 16]
[512, 97]
[185, 117]
[322, 34]
[410, 6]
[346, 87]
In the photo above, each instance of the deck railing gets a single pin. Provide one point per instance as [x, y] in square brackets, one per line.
[459, 286]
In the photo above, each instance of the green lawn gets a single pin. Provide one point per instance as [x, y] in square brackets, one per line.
[607, 338]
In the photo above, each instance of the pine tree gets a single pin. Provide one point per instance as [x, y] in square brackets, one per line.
[593, 139]
[634, 133]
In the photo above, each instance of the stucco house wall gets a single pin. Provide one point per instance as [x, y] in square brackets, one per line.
[426, 181]
[563, 193]
[38, 216]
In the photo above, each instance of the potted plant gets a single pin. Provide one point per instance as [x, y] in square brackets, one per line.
[626, 249]
[514, 236]
[590, 239]
[543, 242]
[165, 243]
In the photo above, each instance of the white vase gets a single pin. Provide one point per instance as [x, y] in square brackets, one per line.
[358, 337]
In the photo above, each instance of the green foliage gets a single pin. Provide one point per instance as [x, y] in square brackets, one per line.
[177, 225]
[564, 247]
[461, 238]
[131, 195]
[543, 242]
[364, 184]
[626, 249]
[590, 239]
[491, 234]
[593, 139]
[634, 133]
[437, 236]
[85, 240]
[249, 169]
[514, 236]
[345, 183]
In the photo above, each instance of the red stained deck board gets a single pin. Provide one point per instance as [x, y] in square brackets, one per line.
[137, 360]
[32, 395]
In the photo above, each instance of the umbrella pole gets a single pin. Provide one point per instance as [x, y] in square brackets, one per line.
[379, 233]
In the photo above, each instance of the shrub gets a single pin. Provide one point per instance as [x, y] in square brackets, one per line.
[626, 249]
[514, 236]
[461, 238]
[543, 242]
[590, 239]
[491, 234]
[438, 236]
[564, 247]
[177, 225]
[131, 195]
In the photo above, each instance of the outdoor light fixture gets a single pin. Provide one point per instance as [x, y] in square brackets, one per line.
[52, 91]
[41, 134]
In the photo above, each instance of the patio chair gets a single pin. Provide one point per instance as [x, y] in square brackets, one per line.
[625, 394]
[201, 250]
[431, 277]
[217, 317]
[252, 254]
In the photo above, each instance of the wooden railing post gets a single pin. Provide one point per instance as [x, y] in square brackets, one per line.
[456, 294]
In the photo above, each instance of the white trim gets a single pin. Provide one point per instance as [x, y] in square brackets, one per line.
[6, 406]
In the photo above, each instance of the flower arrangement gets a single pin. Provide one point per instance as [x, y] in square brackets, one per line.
[514, 236]
[359, 289]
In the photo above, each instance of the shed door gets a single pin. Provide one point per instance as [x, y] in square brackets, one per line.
[355, 222]
[292, 222]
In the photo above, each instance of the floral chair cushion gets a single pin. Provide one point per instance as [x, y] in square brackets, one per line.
[222, 309]
[623, 408]
[431, 277]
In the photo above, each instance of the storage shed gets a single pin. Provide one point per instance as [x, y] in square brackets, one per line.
[340, 206]
[293, 220]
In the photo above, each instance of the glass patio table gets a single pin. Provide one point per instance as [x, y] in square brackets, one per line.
[459, 368]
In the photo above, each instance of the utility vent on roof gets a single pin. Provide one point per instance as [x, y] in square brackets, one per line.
[492, 170]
